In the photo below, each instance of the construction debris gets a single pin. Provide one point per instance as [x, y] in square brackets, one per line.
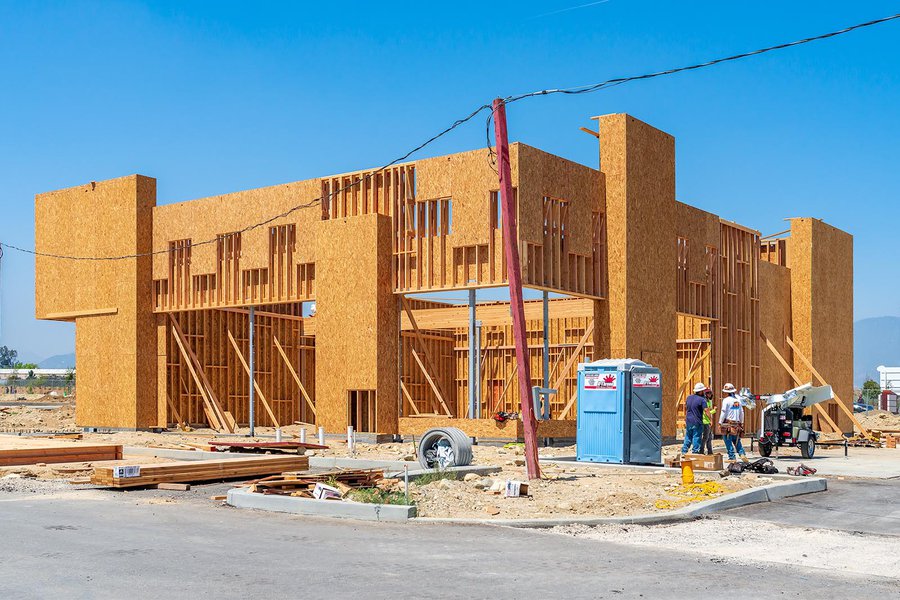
[304, 484]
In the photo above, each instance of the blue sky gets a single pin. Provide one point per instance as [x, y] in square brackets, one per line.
[216, 97]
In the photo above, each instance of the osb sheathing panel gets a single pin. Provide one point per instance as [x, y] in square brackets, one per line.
[115, 353]
[701, 229]
[205, 218]
[357, 325]
[821, 259]
[639, 163]
[487, 428]
[542, 174]
[775, 323]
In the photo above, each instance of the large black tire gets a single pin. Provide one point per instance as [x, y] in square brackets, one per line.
[765, 449]
[808, 448]
[445, 447]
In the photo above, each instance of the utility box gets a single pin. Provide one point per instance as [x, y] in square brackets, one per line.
[619, 412]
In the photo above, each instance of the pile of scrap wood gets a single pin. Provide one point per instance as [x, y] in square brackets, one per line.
[128, 476]
[302, 484]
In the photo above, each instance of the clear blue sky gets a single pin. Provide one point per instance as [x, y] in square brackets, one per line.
[217, 97]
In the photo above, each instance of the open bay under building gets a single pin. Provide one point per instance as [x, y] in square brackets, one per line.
[164, 338]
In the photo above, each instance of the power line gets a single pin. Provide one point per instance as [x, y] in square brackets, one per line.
[620, 80]
[265, 222]
[510, 99]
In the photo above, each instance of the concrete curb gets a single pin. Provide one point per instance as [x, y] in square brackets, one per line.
[766, 493]
[242, 498]
[457, 472]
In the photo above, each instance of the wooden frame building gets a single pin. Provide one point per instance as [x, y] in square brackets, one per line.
[164, 338]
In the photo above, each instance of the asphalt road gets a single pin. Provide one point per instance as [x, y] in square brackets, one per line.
[98, 544]
[861, 505]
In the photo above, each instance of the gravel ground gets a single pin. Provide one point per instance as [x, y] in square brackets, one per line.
[744, 542]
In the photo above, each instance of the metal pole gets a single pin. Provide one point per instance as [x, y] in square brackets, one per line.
[252, 361]
[546, 339]
[477, 413]
[514, 275]
[473, 360]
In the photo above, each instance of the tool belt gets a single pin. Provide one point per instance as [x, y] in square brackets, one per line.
[732, 428]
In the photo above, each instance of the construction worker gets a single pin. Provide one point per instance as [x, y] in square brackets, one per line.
[708, 415]
[693, 420]
[731, 422]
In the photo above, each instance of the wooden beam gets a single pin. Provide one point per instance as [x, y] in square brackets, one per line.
[427, 354]
[196, 370]
[569, 405]
[296, 377]
[175, 413]
[65, 316]
[408, 398]
[431, 382]
[514, 277]
[259, 392]
[596, 134]
[812, 369]
[821, 410]
[574, 356]
[509, 379]
[695, 364]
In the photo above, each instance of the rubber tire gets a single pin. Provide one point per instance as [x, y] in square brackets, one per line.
[808, 448]
[459, 442]
[765, 449]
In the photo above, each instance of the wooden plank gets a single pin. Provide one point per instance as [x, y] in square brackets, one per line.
[293, 373]
[408, 397]
[430, 380]
[822, 412]
[427, 354]
[259, 392]
[175, 413]
[202, 470]
[589, 330]
[862, 429]
[213, 409]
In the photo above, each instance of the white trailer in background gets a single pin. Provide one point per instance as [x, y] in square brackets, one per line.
[889, 378]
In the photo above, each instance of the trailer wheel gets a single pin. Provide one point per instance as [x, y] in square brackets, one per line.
[808, 448]
[765, 449]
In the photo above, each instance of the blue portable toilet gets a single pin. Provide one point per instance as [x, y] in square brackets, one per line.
[619, 412]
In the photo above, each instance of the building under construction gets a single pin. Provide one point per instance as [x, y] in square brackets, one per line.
[165, 337]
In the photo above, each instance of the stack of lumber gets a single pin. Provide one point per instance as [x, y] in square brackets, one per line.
[200, 470]
[26, 451]
[302, 484]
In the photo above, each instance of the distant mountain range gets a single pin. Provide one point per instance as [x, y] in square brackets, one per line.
[876, 341]
[59, 361]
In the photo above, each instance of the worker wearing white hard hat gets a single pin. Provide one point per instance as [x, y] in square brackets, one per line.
[731, 421]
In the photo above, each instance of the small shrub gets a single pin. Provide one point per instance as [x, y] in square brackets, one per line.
[433, 476]
[378, 496]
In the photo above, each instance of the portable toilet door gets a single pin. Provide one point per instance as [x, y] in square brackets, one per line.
[644, 409]
[600, 431]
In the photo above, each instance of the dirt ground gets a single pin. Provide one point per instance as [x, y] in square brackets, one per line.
[743, 542]
[566, 490]
[879, 419]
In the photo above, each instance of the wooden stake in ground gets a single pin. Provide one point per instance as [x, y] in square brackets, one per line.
[514, 274]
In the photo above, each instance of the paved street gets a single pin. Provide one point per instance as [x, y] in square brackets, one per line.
[864, 505]
[100, 544]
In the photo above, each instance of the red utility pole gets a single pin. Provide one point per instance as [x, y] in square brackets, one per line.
[514, 274]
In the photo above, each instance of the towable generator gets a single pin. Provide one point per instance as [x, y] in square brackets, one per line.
[783, 422]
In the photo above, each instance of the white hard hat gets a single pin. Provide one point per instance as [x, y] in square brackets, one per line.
[729, 388]
[700, 387]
